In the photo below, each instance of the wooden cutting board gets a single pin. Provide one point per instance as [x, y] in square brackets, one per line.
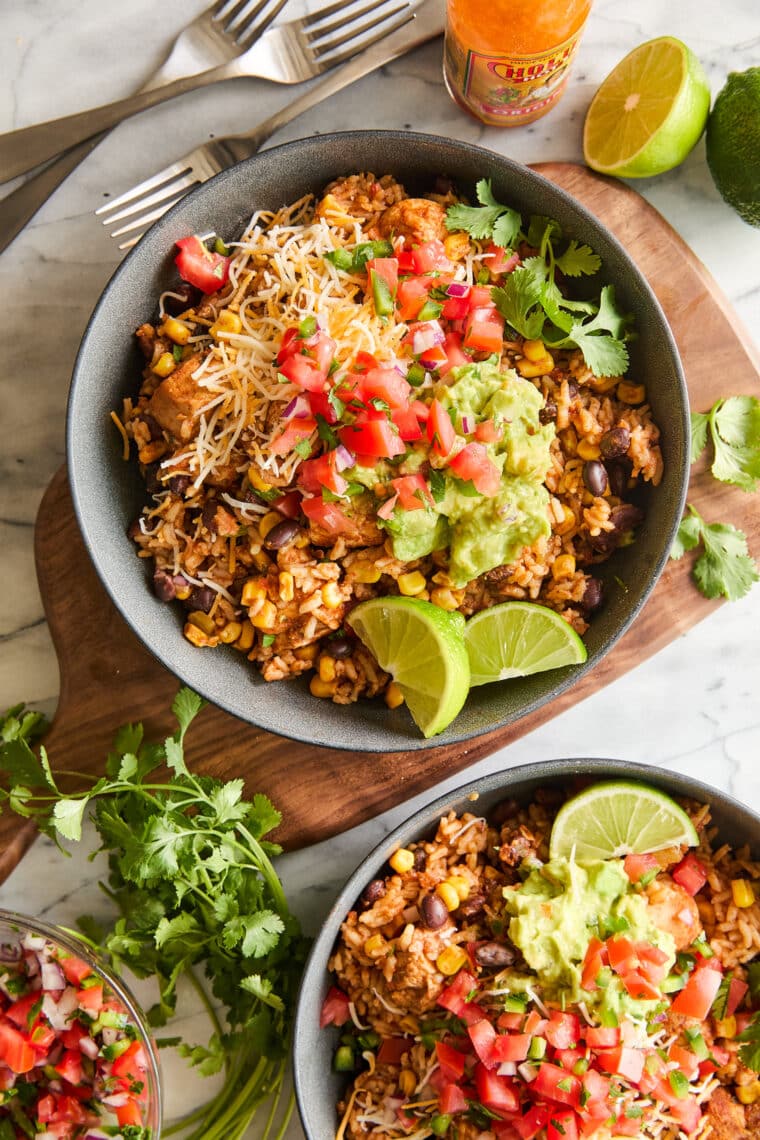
[107, 677]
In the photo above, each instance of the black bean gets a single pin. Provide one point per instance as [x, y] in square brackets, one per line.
[615, 442]
[208, 515]
[187, 296]
[153, 426]
[433, 912]
[572, 390]
[178, 484]
[626, 517]
[494, 954]
[605, 542]
[593, 595]
[201, 598]
[420, 859]
[548, 413]
[595, 476]
[471, 906]
[281, 534]
[372, 892]
[506, 809]
[134, 530]
[618, 473]
[152, 482]
[163, 586]
[339, 647]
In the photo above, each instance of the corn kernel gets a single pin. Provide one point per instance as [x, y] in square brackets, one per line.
[261, 561]
[175, 330]
[444, 599]
[320, 688]
[257, 482]
[151, 451]
[529, 369]
[231, 632]
[407, 1082]
[743, 893]
[183, 593]
[631, 393]
[365, 572]
[375, 946]
[726, 1027]
[331, 595]
[269, 522]
[306, 652]
[410, 1025]
[226, 322]
[245, 641]
[286, 589]
[568, 520]
[253, 589]
[563, 567]
[451, 959]
[393, 696]
[448, 895]
[456, 246]
[411, 584]
[266, 617]
[197, 636]
[460, 885]
[588, 450]
[402, 860]
[602, 383]
[535, 350]
[165, 364]
[327, 671]
[202, 621]
[748, 1094]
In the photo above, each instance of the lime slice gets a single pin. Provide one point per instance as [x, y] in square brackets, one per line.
[617, 818]
[518, 638]
[422, 647]
[649, 112]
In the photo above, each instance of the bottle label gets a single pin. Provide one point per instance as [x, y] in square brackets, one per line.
[504, 90]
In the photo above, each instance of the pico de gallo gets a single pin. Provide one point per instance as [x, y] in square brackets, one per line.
[537, 1001]
[72, 1062]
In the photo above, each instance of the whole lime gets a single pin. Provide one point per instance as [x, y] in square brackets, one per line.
[733, 143]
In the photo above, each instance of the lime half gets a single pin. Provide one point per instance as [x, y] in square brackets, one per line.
[422, 647]
[618, 818]
[518, 638]
[649, 112]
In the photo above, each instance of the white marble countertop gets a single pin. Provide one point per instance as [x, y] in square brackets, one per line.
[692, 708]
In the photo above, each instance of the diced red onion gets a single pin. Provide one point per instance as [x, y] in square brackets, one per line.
[427, 334]
[507, 1069]
[89, 1047]
[527, 1071]
[458, 289]
[506, 513]
[467, 425]
[298, 408]
[343, 458]
[511, 263]
[52, 976]
[386, 510]
[116, 1100]
[10, 952]
[110, 1036]
[59, 1012]
[33, 942]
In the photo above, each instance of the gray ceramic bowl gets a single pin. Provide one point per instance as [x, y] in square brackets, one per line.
[317, 1085]
[108, 493]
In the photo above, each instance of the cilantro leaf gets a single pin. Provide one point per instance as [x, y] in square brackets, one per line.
[226, 801]
[185, 706]
[542, 230]
[263, 817]
[488, 220]
[207, 1059]
[261, 933]
[725, 566]
[749, 1053]
[699, 425]
[735, 432]
[753, 977]
[519, 298]
[578, 260]
[605, 355]
[687, 537]
[68, 815]
[21, 765]
[262, 989]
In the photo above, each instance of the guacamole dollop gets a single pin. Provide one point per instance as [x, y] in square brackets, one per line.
[483, 532]
[556, 911]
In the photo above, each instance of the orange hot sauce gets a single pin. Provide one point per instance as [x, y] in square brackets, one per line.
[507, 61]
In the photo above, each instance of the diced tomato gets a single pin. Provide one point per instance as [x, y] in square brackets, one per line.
[563, 1030]
[690, 874]
[392, 1049]
[70, 1067]
[296, 430]
[688, 1114]
[388, 385]
[407, 423]
[412, 295]
[510, 1047]
[534, 1024]
[481, 297]
[91, 999]
[737, 990]
[21, 1009]
[488, 432]
[434, 357]
[687, 1061]
[304, 372]
[131, 1064]
[622, 955]
[206, 270]
[484, 331]
[413, 492]
[640, 987]
[321, 349]
[451, 1100]
[456, 357]
[334, 1009]
[509, 1020]
[440, 430]
[456, 308]
[602, 1036]
[42, 1038]
[328, 516]
[568, 1058]
[129, 1113]
[500, 260]
[554, 1083]
[497, 1094]
[68, 1110]
[473, 463]
[74, 969]
[45, 1108]
[15, 1050]
[429, 256]
[377, 439]
[289, 344]
[71, 1037]
[623, 1060]
[482, 1034]
[421, 411]
[593, 963]
[695, 999]
[562, 1125]
[638, 867]
[314, 474]
[627, 1126]
[531, 1122]
[365, 361]
[454, 996]
[450, 1060]
[596, 1087]
[405, 260]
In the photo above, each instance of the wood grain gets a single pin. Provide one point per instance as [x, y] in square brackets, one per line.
[107, 677]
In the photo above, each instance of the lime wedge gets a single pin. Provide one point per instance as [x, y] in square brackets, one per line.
[422, 647]
[618, 818]
[518, 638]
[649, 112]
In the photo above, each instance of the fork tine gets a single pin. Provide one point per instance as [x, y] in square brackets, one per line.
[250, 31]
[146, 220]
[170, 190]
[329, 10]
[403, 10]
[342, 21]
[163, 176]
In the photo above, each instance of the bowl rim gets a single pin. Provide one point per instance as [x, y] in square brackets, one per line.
[315, 974]
[70, 941]
[226, 700]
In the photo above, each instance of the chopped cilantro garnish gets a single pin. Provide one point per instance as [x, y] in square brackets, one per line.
[749, 1053]
[325, 432]
[488, 220]
[437, 483]
[725, 566]
[303, 448]
[267, 640]
[734, 427]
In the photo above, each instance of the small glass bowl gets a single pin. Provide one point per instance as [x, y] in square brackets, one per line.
[14, 926]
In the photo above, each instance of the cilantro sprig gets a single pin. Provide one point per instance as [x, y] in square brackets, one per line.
[488, 220]
[733, 425]
[725, 566]
[749, 1052]
[191, 873]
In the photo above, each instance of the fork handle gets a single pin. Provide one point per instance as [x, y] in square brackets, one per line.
[27, 147]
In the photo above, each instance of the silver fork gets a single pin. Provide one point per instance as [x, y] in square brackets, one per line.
[289, 53]
[210, 41]
[148, 200]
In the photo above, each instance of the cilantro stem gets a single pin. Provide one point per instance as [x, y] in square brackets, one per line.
[201, 992]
